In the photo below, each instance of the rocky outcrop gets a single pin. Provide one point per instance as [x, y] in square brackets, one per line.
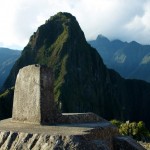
[25, 141]
[78, 136]
[89, 136]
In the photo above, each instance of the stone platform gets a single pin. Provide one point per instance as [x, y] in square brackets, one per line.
[67, 124]
[88, 136]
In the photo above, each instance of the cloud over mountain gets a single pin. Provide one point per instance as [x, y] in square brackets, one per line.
[124, 19]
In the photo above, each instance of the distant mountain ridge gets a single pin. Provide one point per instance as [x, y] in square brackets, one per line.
[7, 60]
[131, 60]
[82, 81]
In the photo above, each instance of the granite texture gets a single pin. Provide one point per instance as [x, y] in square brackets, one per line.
[25, 141]
[79, 118]
[76, 136]
[33, 96]
[100, 135]
[26, 105]
[126, 143]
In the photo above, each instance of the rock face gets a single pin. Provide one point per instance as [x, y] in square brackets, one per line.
[33, 97]
[77, 136]
[100, 135]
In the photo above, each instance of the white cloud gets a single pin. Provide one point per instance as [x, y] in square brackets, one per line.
[122, 19]
[139, 26]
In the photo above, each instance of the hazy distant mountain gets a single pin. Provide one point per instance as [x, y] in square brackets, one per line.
[82, 81]
[131, 60]
[7, 60]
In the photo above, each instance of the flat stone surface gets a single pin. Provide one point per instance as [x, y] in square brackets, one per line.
[79, 118]
[58, 129]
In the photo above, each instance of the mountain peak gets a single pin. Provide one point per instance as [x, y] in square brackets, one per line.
[102, 39]
[54, 42]
[134, 43]
[63, 24]
[78, 68]
[62, 15]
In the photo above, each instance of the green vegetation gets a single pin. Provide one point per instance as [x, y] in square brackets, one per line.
[6, 103]
[7, 60]
[136, 130]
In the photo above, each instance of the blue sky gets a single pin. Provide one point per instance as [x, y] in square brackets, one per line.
[116, 19]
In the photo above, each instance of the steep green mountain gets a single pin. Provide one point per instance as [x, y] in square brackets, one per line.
[7, 60]
[6, 102]
[82, 81]
[131, 60]
[78, 68]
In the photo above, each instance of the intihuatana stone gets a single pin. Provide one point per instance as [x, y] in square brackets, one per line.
[33, 96]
